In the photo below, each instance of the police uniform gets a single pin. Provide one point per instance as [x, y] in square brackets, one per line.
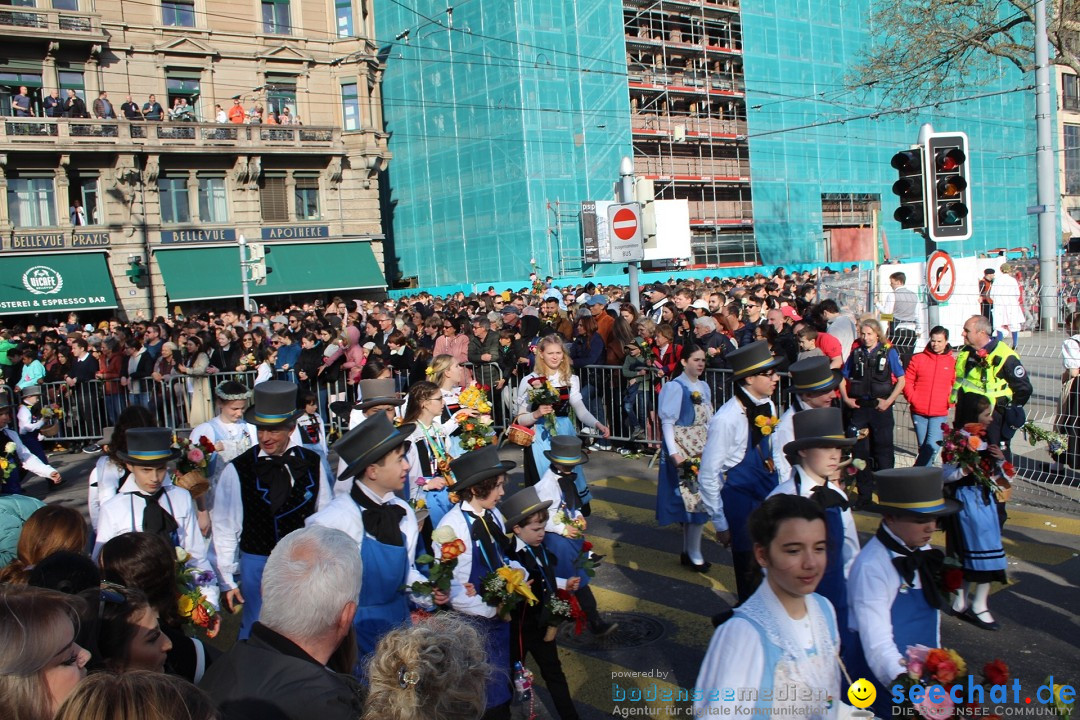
[872, 374]
[998, 375]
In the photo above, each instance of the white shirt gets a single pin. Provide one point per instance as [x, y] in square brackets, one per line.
[1070, 353]
[782, 435]
[461, 602]
[27, 459]
[228, 519]
[851, 535]
[548, 489]
[418, 436]
[123, 513]
[1005, 292]
[725, 447]
[584, 417]
[235, 438]
[843, 329]
[872, 589]
[25, 422]
[344, 514]
[104, 484]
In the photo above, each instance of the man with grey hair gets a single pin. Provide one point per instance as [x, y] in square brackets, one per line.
[484, 352]
[715, 344]
[310, 588]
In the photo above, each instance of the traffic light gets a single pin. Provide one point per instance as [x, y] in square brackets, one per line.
[256, 263]
[948, 191]
[138, 274]
[910, 189]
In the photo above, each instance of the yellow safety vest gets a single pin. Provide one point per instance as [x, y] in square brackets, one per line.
[984, 380]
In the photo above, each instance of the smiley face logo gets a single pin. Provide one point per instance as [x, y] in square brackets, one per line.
[862, 693]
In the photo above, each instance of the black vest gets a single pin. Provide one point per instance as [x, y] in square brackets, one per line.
[871, 375]
[262, 529]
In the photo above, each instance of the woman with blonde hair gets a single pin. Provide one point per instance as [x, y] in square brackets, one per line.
[40, 663]
[447, 372]
[137, 695]
[434, 670]
[557, 418]
[48, 530]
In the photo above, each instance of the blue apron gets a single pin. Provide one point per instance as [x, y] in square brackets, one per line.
[542, 442]
[977, 520]
[382, 605]
[12, 486]
[914, 622]
[745, 487]
[438, 504]
[496, 632]
[251, 573]
[566, 553]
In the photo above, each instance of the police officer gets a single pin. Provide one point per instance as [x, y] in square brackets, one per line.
[875, 379]
[989, 367]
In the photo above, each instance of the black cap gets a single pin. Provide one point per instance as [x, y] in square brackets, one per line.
[369, 442]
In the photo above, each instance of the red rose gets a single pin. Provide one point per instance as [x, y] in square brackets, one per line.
[996, 672]
[586, 546]
[200, 616]
[953, 579]
[946, 672]
[934, 658]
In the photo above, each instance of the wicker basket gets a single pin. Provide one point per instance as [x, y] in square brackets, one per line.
[194, 482]
[520, 435]
[50, 429]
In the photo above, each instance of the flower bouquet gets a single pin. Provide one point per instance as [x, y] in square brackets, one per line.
[578, 524]
[191, 601]
[191, 467]
[442, 570]
[476, 432]
[53, 414]
[542, 392]
[504, 589]
[688, 485]
[1062, 709]
[927, 668]
[1056, 443]
[766, 424]
[249, 362]
[7, 461]
[965, 447]
[562, 607]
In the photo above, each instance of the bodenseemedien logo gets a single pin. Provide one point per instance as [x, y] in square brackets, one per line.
[42, 280]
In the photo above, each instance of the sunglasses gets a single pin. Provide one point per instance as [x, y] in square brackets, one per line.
[447, 327]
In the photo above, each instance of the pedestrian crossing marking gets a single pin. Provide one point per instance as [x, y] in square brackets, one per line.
[658, 562]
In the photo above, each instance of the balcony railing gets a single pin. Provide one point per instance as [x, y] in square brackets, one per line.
[62, 132]
[692, 167]
[45, 22]
[720, 212]
[665, 125]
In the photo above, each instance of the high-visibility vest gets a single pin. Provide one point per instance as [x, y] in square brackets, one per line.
[983, 380]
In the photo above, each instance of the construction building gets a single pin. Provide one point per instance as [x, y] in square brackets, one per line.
[123, 210]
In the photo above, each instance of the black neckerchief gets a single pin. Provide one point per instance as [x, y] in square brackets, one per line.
[155, 520]
[495, 544]
[753, 411]
[928, 563]
[382, 522]
[275, 473]
[569, 490]
[824, 495]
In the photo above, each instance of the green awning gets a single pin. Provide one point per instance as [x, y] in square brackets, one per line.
[55, 282]
[210, 273]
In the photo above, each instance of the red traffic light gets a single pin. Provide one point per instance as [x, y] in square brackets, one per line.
[949, 160]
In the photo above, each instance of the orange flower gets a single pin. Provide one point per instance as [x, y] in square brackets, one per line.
[935, 658]
[974, 442]
[469, 426]
[200, 616]
[974, 428]
[453, 549]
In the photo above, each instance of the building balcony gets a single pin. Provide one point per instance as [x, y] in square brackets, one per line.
[720, 213]
[678, 128]
[687, 83]
[22, 134]
[693, 170]
[27, 23]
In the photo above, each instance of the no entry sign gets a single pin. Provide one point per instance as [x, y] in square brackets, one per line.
[940, 275]
[625, 223]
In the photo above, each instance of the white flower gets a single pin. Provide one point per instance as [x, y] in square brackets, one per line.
[443, 535]
[181, 555]
[9, 448]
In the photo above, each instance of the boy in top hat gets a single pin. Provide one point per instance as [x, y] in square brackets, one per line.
[813, 385]
[149, 502]
[893, 592]
[815, 454]
[479, 479]
[375, 396]
[264, 493]
[29, 421]
[738, 470]
[15, 456]
[565, 530]
[527, 516]
[383, 526]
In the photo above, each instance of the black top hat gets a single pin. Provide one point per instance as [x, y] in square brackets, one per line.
[30, 391]
[149, 447]
[818, 428]
[566, 450]
[7, 399]
[813, 375]
[912, 492]
[752, 359]
[521, 505]
[369, 442]
[474, 467]
[378, 392]
[274, 406]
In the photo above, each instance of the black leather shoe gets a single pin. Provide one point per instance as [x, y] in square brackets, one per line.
[702, 568]
[684, 560]
[973, 617]
[603, 629]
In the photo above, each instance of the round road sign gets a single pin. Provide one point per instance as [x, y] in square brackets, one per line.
[940, 275]
[624, 224]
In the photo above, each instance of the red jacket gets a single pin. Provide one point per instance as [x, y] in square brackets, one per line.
[929, 381]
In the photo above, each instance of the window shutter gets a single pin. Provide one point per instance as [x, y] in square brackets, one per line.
[275, 201]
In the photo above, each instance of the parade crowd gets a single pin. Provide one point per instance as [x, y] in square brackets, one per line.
[347, 496]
